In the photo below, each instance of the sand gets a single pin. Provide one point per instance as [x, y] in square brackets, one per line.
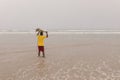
[68, 57]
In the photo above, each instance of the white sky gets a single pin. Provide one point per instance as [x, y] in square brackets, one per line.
[50, 14]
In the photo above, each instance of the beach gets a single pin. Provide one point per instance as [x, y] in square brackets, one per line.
[68, 57]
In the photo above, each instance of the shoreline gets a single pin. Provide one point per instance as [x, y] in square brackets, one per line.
[67, 32]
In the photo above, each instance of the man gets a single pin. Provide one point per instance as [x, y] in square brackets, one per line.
[41, 38]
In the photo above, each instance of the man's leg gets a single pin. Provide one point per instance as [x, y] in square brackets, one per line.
[43, 54]
[38, 51]
[43, 51]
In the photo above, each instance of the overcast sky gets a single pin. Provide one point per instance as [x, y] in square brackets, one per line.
[50, 14]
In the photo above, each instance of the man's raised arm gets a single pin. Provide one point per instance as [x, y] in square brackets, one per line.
[46, 34]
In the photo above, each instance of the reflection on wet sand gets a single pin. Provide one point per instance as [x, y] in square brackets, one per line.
[76, 69]
[87, 58]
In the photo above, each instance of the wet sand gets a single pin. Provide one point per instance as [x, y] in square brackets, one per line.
[68, 57]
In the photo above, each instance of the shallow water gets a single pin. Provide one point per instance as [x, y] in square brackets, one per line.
[68, 57]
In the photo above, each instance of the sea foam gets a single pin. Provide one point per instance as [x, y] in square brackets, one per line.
[69, 32]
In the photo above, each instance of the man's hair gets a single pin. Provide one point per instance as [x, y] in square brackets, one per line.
[41, 33]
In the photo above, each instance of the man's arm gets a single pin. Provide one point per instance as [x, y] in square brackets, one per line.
[37, 33]
[46, 34]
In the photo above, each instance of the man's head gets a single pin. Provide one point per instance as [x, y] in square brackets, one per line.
[41, 33]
